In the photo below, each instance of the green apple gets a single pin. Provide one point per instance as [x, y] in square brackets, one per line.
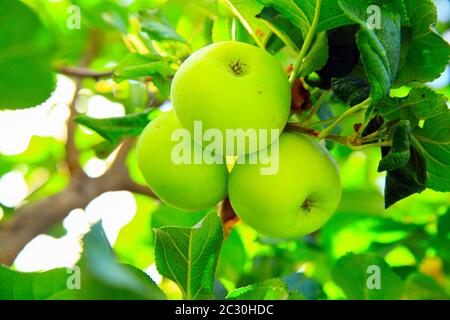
[294, 201]
[187, 186]
[232, 85]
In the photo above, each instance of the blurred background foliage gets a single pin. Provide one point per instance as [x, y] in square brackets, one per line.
[412, 236]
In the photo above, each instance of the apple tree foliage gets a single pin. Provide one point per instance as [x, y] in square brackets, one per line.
[368, 88]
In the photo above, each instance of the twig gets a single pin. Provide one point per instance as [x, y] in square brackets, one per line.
[353, 144]
[308, 42]
[72, 160]
[36, 218]
[363, 105]
[80, 72]
[316, 108]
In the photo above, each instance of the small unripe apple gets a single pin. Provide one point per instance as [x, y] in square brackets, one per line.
[232, 85]
[294, 201]
[187, 186]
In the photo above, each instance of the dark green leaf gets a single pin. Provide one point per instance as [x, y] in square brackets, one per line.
[399, 154]
[343, 54]
[189, 256]
[115, 129]
[104, 278]
[283, 29]
[429, 118]
[444, 226]
[351, 90]
[405, 181]
[26, 49]
[317, 56]
[273, 289]
[356, 275]
[380, 48]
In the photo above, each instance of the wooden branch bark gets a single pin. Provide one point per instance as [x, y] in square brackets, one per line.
[80, 72]
[37, 218]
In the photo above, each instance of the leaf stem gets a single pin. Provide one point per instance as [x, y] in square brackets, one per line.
[80, 72]
[244, 22]
[322, 122]
[363, 105]
[307, 44]
[345, 141]
[316, 108]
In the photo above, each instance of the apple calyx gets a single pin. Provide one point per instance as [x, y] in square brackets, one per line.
[238, 67]
[308, 204]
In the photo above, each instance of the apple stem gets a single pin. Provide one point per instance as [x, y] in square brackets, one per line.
[307, 44]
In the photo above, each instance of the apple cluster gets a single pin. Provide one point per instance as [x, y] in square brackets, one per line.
[236, 86]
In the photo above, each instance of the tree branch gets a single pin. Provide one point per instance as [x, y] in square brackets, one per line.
[37, 218]
[80, 72]
[72, 160]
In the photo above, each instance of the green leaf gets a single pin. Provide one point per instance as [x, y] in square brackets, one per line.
[420, 104]
[399, 154]
[115, 129]
[246, 11]
[26, 50]
[444, 226]
[308, 288]
[16, 285]
[222, 29]
[423, 287]
[380, 48]
[351, 90]
[317, 56]
[284, 29]
[433, 142]
[429, 118]
[104, 278]
[189, 256]
[301, 13]
[233, 258]
[425, 54]
[136, 66]
[353, 273]
[167, 216]
[151, 288]
[156, 26]
[272, 289]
